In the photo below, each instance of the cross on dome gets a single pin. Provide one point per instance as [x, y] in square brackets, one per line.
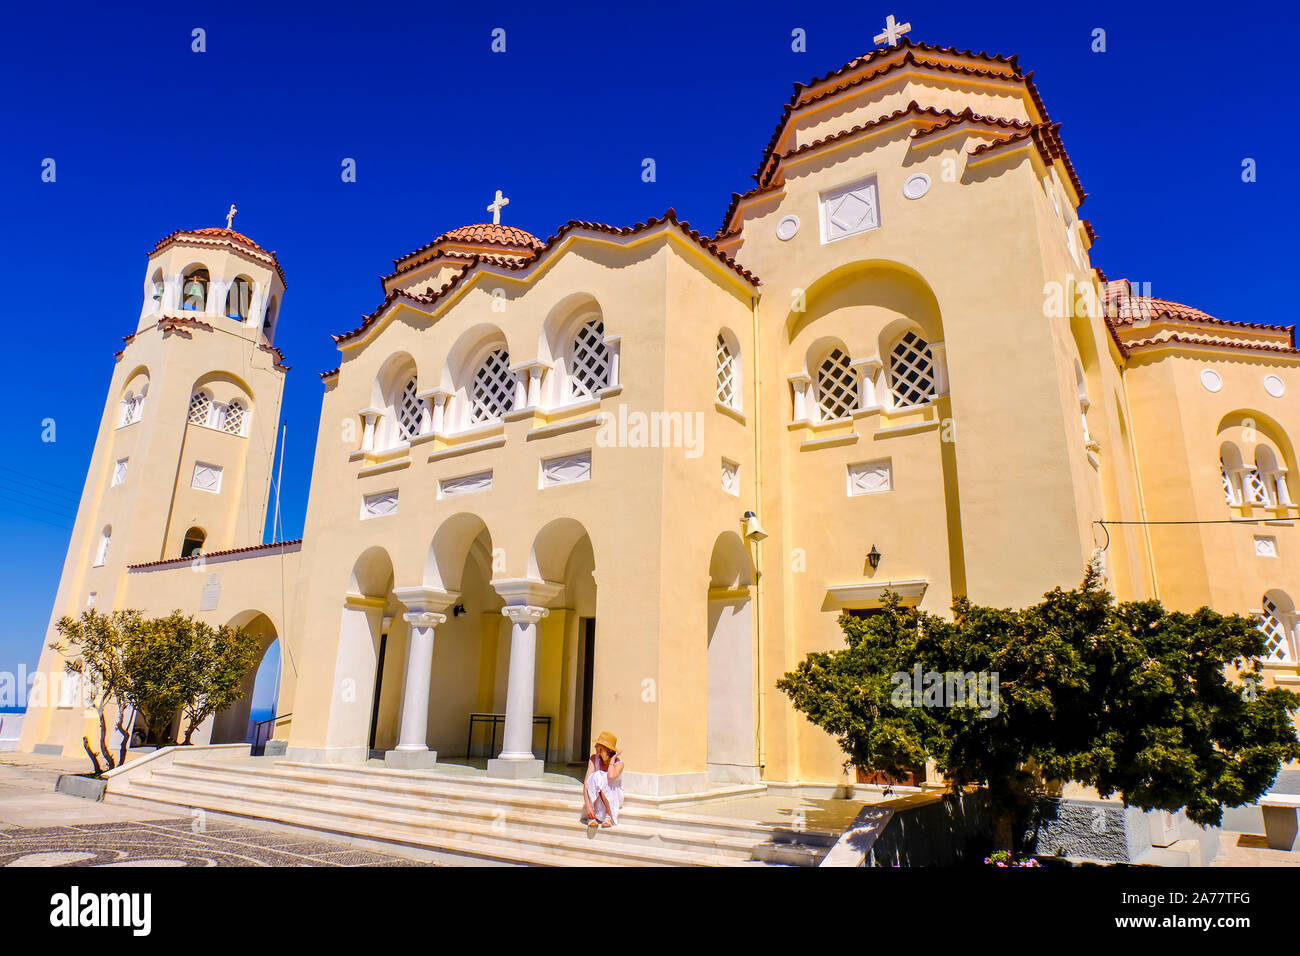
[496, 206]
[893, 32]
[230, 217]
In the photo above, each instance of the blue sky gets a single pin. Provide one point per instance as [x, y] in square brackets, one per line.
[149, 136]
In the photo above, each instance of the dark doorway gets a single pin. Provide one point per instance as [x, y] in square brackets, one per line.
[587, 636]
[379, 685]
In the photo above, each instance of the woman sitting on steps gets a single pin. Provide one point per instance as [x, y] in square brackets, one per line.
[602, 795]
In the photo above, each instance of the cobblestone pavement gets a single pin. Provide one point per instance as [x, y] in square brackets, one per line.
[39, 827]
[174, 843]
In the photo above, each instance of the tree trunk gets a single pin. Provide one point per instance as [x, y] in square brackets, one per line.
[103, 740]
[94, 758]
[1002, 832]
[121, 729]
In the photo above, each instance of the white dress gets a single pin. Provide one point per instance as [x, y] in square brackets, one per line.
[598, 782]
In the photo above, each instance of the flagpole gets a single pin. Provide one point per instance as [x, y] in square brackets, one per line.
[275, 521]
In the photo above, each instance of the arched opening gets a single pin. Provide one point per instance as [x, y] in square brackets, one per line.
[569, 655]
[245, 719]
[194, 290]
[193, 543]
[582, 357]
[395, 392]
[477, 379]
[157, 288]
[268, 324]
[239, 300]
[731, 716]
[369, 610]
[101, 551]
[1278, 624]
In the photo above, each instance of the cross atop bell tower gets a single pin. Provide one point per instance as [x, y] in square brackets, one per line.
[230, 217]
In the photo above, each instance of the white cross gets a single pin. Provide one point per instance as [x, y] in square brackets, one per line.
[496, 206]
[230, 217]
[893, 31]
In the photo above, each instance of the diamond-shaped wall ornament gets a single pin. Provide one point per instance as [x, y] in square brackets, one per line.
[850, 210]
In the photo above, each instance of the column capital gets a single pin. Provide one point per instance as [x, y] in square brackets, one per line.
[525, 613]
[527, 590]
[424, 618]
[423, 599]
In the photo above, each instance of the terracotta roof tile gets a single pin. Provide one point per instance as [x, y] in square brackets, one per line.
[482, 233]
[221, 237]
[1124, 311]
[474, 261]
[1046, 138]
[293, 545]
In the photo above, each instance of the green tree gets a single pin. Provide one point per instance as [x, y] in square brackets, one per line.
[94, 647]
[1164, 709]
[157, 661]
[219, 660]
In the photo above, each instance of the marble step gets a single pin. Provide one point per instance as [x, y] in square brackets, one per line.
[497, 785]
[554, 816]
[563, 800]
[342, 815]
[461, 852]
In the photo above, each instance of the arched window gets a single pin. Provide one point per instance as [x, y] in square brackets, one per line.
[589, 360]
[911, 371]
[1272, 476]
[728, 372]
[157, 288]
[232, 421]
[1277, 621]
[269, 324]
[194, 290]
[492, 391]
[837, 386]
[101, 553]
[193, 544]
[408, 412]
[132, 409]
[200, 408]
[1081, 386]
[239, 299]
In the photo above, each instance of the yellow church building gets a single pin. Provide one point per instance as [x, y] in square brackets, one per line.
[625, 477]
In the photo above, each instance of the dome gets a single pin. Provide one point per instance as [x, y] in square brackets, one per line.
[492, 238]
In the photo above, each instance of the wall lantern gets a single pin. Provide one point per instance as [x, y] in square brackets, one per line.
[753, 530]
[458, 610]
[873, 558]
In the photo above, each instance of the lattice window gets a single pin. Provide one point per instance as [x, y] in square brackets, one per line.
[911, 371]
[837, 386]
[1273, 628]
[408, 412]
[1254, 487]
[1227, 484]
[590, 365]
[131, 409]
[493, 388]
[200, 408]
[233, 420]
[728, 391]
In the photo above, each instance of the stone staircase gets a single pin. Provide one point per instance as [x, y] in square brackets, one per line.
[467, 819]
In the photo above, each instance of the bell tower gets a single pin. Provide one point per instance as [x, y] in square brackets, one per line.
[182, 459]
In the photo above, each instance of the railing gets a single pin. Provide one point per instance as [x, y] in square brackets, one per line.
[268, 726]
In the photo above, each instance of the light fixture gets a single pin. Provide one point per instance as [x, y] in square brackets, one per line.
[753, 530]
[873, 558]
[458, 610]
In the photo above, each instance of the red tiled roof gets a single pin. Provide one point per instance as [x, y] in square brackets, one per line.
[214, 235]
[208, 556]
[1047, 138]
[330, 374]
[1125, 311]
[474, 261]
[813, 91]
[476, 234]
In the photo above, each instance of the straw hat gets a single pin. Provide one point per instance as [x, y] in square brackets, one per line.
[608, 741]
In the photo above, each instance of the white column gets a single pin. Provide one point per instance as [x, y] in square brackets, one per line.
[518, 739]
[1283, 497]
[613, 343]
[413, 730]
[440, 397]
[370, 416]
[800, 384]
[535, 385]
